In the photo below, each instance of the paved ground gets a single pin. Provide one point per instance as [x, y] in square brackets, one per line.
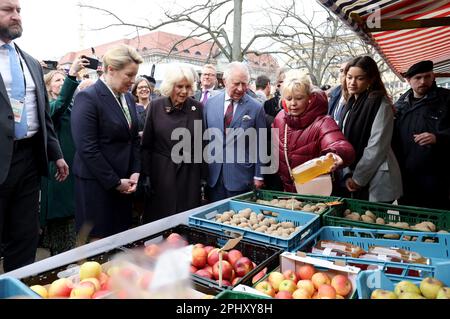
[41, 254]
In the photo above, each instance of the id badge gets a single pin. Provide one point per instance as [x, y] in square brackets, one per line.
[17, 108]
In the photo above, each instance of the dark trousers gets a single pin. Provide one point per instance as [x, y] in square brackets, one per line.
[19, 208]
[219, 192]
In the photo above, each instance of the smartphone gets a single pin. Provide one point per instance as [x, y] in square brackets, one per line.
[51, 65]
[93, 63]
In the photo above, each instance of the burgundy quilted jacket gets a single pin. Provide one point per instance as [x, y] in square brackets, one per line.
[310, 135]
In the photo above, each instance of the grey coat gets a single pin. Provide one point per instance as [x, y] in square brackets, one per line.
[378, 168]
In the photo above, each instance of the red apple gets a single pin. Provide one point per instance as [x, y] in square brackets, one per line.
[275, 278]
[306, 285]
[259, 276]
[243, 266]
[290, 274]
[145, 280]
[204, 273]
[326, 292]
[101, 294]
[84, 290]
[287, 285]
[176, 240]
[199, 257]
[213, 256]
[301, 293]
[208, 249]
[342, 285]
[209, 269]
[107, 285]
[60, 288]
[265, 287]
[94, 281]
[233, 256]
[199, 245]
[319, 279]
[283, 295]
[193, 269]
[227, 270]
[152, 250]
[305, 272]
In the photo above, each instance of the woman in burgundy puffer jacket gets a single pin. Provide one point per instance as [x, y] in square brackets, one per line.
[310, 132]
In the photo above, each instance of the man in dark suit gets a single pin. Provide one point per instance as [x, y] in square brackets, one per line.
[336, 100]
[208, 80]
[233, 115]
[27, 140]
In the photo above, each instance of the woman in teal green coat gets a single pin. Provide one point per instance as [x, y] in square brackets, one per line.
[57, 200]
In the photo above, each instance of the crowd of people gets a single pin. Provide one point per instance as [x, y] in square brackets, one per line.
[80, 157]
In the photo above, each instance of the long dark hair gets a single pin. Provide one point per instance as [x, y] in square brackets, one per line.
[369, 66]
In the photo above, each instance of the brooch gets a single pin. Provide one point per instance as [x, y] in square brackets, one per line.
[193, 109]
[246, 118]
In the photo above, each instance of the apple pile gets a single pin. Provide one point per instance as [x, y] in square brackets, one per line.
[429, 288]
[205, 263]
[91, 282]
[305, 283]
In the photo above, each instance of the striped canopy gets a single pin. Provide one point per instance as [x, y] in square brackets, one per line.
[403, 31]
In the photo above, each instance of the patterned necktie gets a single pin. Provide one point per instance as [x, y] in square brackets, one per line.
[17, 90]
[228, 118]
[205, 97]
[125, 110]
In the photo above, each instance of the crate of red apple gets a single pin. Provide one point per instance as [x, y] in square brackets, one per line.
[302, 277]
[245, 261]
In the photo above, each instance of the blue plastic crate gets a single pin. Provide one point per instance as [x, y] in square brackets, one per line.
[309, 223]
[14, 288]
[438, 251]
[369, 280]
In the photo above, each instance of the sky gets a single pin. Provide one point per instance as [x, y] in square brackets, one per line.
[52, 27]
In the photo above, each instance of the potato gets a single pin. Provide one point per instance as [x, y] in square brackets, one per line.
[402, 225]
[274, 202]
[288, 225]
[380, 221]
[227, 223]
[442, 232]
[367, 219]
[391, 236]
[370, 214]
[406, 238]
[430, 225]
[347, 212]
[353, 216]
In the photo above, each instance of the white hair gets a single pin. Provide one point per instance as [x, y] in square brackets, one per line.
[174, 74]
[235, 66]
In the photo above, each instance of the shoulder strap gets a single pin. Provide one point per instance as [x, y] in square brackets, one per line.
[285, 152]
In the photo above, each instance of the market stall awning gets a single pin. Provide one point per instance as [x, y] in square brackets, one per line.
[403, 31]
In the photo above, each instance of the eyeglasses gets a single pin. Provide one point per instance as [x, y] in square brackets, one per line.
[209, 74]
[143, 88]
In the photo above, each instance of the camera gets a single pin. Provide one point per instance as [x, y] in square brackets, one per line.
[93, 63]
[51, 65]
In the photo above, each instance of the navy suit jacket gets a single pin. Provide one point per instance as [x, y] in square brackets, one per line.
[107, 149]
[237, 176]
[48, 148]
[335, 96]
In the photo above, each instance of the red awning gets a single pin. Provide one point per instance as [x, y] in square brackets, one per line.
[403, 31]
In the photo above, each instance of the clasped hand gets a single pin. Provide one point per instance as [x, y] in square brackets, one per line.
[128, 185]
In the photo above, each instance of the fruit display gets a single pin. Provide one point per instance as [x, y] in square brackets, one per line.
[248, 219]
[92, 282]
[295, 204]
[308, 278]
[429, 288]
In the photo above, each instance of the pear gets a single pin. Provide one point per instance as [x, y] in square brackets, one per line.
[406, 286]
[410, 295]
[443, 293]
[429, 287]
[382, 294]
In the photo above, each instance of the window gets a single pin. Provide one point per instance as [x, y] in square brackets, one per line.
[198, 53]
[186, 51]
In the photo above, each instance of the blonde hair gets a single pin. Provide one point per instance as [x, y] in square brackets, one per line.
[296, 80]
[48, 80]
[174, 74]
[120, 56]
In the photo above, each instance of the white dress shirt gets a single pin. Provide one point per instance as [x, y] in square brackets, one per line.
[30, 92]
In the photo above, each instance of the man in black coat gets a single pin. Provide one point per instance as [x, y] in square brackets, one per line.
[421, 139]
[27, 140]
